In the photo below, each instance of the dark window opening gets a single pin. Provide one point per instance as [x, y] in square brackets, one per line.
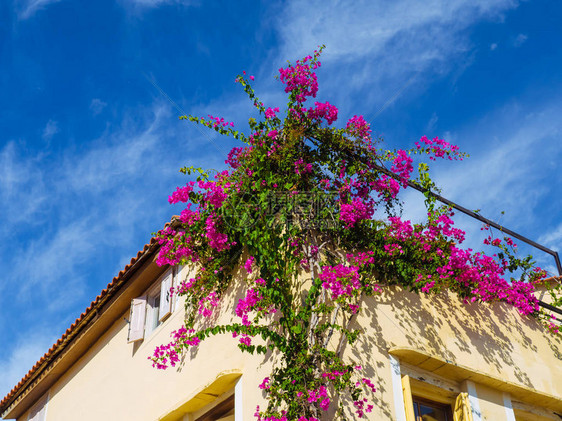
[426, 410]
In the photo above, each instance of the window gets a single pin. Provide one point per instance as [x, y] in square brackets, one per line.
[424, 401]
[151, 309]
[426, 410]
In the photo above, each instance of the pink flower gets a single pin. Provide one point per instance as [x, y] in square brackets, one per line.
[265, 384]
[270, 112]
[248, 264]
[323, 110]
[356, 211]
[357, 126]
[182, 193]
[438, 148]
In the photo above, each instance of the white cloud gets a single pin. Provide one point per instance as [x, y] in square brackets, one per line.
[23, 356]
[21, 187]
[30, 7]
[519, 40]
[371, 27]
[51, 129]
[493, 46]
[157, 3]
[72, 207]
[513, 168]
[430, 127]
[506, 169]
[377, 46]
[552, 239]
[97, 106]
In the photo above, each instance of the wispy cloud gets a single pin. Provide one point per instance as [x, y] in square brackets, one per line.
[156, 3]
[23, 356]
[513, 168]
[51, 129]
[21, 187]
[97, 106]
[379, 45]
[71, 202]
[75, 206]
[553, 238]
[28, 8]
[519, 40]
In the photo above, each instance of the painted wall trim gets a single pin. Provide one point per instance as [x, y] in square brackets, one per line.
[238, 401]
[509, 414]
[397, 389]
[474, 402]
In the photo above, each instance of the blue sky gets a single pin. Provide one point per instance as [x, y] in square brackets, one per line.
[90, 146]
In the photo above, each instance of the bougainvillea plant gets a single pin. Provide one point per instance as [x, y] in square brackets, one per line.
[304, 212]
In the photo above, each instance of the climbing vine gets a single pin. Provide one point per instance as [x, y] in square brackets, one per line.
[310, 214]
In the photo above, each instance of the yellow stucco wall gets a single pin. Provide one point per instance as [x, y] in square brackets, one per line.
[115, 380]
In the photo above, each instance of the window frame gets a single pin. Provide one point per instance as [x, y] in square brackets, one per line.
[152, 320]
[416, 400]
[147, 307]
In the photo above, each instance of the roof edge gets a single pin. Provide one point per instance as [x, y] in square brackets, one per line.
[82, 321]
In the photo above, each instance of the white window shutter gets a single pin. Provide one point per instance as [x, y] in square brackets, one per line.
[136, 324]
[165, 296]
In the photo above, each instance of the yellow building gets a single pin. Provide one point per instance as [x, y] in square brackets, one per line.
[422, 353]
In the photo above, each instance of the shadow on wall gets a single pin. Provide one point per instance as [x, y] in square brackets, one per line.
[443, 326]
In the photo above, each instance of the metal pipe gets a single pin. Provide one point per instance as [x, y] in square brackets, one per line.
[475, 215]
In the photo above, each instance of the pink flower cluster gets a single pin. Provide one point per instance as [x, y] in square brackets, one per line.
[325, 111]
[168, 354]
[185, 286]
[217, 239]
[208, 303]
[189, 217]
[319, 395]
[333, 375]
[300, 79]
[215, 194]
[182, 193]
[340, 280]
[302, 167]
[248, 264]
[247, 304]
[171, 253]
[402, 165]
[361, 408]
[480, 274]
[270, 112]
[233, 158]
[439, 148]
[264, 384]
[387, 187]
[355, 211]
[357, 126]
[220, 122]
[283, 417]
